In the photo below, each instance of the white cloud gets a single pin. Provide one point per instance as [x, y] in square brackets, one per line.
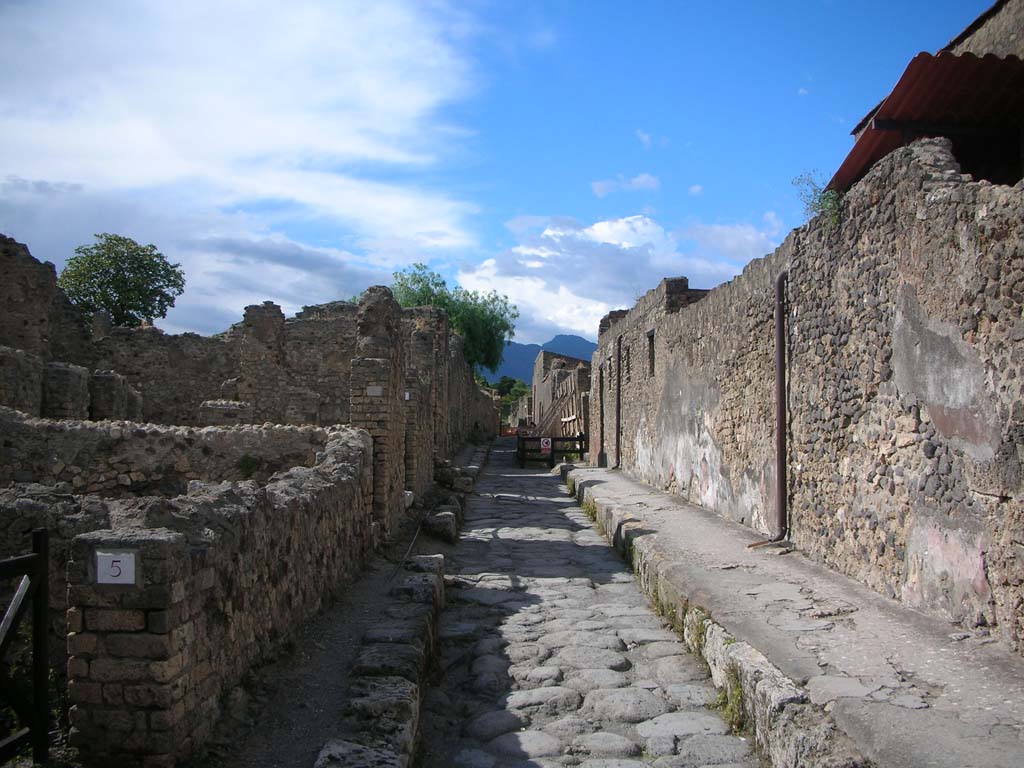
[802, 92]
[565, 275]
[737, 242]
[288, 111]
[644, 138]
[696, 189]
[642, 181]
[230, 259]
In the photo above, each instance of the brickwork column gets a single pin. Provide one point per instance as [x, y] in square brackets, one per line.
[376, 400]
[129, 671]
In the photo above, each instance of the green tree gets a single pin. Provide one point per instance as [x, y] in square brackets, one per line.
[510, 390]
[131, 282]
[486, 321]
[506, 384]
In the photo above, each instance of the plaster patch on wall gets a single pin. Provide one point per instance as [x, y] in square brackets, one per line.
[681, 455]
[933, 363]
[945, 569]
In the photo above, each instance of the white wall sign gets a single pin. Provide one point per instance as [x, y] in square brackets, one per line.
[115, 566]
[545, 445]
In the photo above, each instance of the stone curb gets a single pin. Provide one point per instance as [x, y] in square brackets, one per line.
[385, 697]
[380, 727]
[788, 729]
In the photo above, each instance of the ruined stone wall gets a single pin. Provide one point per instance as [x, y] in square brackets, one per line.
[377, 400]
[474, 412]
[1002, 33]
[319, 344]
[124, 459]
[423, 327]
[521, 412]
[27, 291]
[223, 576]
[626, 390]
[174, 373]
[550, 370]
[568, 412]
[904, 395]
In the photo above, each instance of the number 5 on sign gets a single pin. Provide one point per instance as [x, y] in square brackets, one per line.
[115, 566]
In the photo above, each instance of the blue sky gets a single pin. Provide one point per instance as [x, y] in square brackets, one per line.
[567, 154]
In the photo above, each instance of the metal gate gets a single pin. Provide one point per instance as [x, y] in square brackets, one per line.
[32, 709]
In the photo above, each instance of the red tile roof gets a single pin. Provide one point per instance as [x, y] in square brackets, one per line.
[935, 96]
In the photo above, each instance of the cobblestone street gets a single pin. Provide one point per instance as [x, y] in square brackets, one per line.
[551, 655]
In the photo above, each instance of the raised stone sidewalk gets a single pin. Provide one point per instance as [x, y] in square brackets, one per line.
[827, 671]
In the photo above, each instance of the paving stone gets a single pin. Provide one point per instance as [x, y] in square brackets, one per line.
[345, 754]
[581, 657]
[682, 724]
[492, 724]
[605, 745]
[690, 695]
[711, 749]
[586, 680]
[526, 744]
[474, 758]
[493, 664]
[642, 635]
[567, 727]
[553, 700]
[591, 639]
[624, 705]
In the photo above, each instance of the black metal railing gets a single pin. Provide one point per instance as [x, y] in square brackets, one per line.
[32, 709]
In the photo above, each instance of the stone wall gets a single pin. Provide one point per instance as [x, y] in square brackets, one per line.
[521, 413]
[561, 387]
[28, 290]
[174, 373]
[426, 331]
[1000, 30]
[222, 577]
[376, 401]
[905, 324]
[121, 459]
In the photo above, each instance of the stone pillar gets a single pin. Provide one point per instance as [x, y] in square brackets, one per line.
[21, 380]
[376, 400]
[65, 391]
[128, 681]
[108, 396]
[263, 379]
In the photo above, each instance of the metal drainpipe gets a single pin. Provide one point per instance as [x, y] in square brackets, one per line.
[618, 402]
[781, 493]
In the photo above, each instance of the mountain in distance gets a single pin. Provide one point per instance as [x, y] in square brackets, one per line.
[518, 360]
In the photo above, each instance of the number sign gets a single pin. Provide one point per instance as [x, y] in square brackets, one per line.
[115, 566]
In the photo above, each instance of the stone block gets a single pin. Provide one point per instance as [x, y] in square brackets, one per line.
[225, 413]
[65, 391]
[21, 380]
[108, 396]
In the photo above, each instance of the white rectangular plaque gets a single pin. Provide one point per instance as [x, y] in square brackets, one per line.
[374, 390]
[115, 566]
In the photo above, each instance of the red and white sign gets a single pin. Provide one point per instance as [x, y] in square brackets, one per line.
[545, 445]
